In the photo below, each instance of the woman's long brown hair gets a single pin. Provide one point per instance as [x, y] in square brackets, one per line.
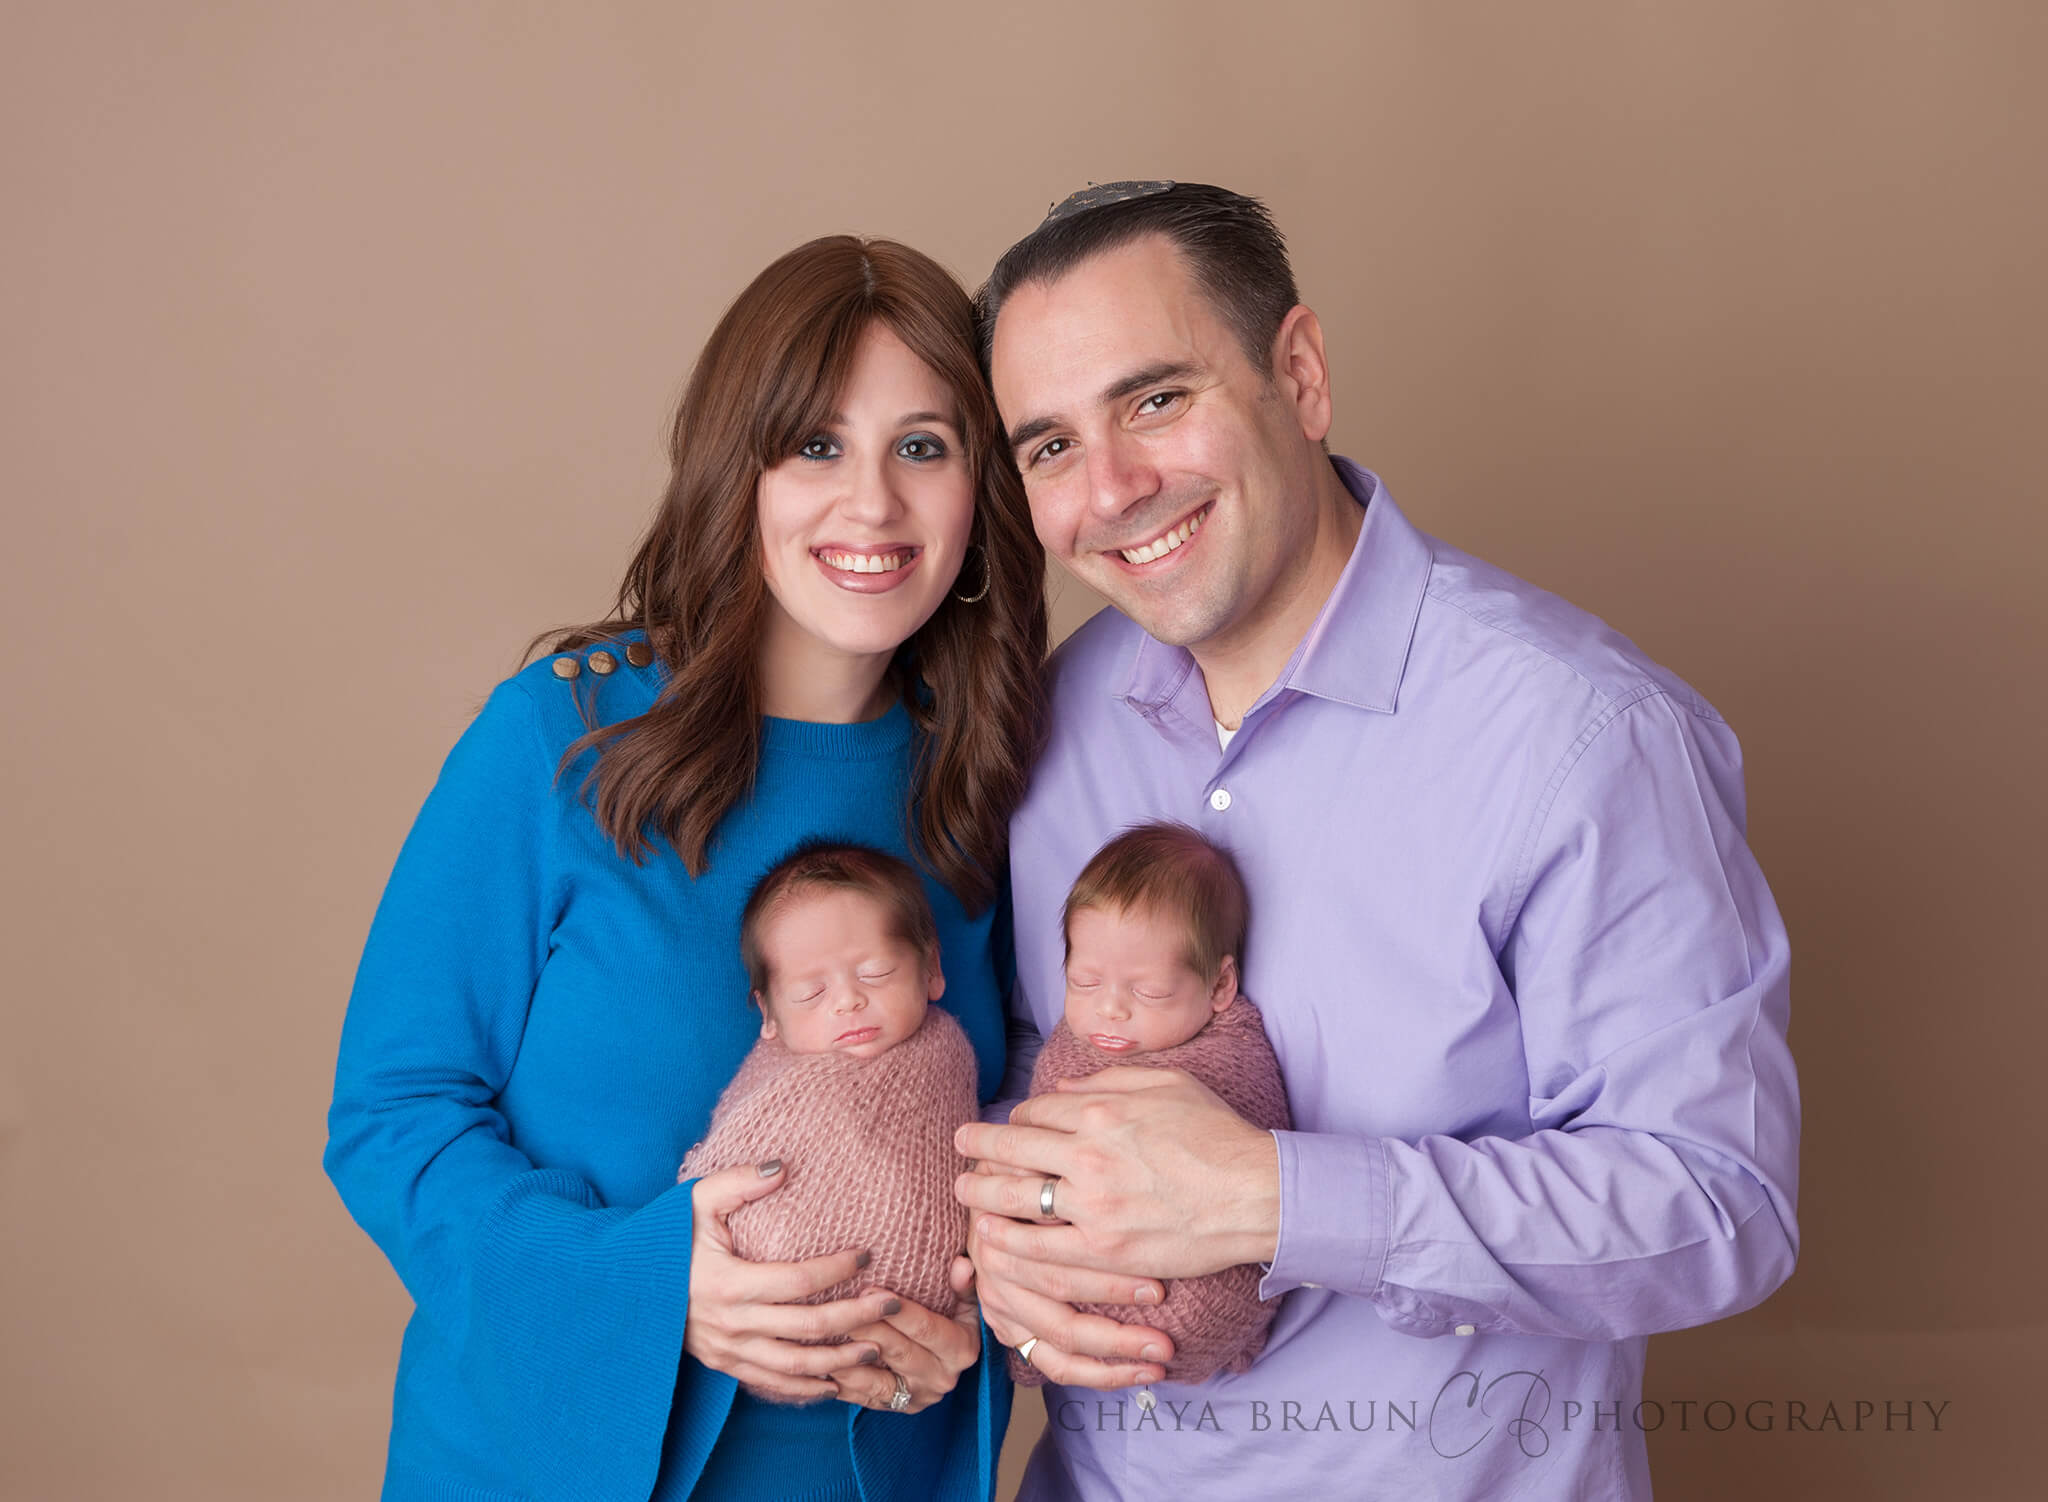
[770, 374]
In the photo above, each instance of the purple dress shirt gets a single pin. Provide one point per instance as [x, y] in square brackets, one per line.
[1529, 992]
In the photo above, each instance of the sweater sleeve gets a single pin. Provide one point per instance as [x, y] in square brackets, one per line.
[563, 1317]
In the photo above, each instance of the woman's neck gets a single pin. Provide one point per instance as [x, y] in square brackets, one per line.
[801, 679]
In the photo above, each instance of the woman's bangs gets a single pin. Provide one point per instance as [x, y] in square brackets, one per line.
[801, 383]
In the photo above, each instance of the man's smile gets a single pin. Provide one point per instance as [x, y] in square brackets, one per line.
[1171, 540]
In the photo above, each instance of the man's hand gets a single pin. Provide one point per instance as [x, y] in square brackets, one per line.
[1158, 1178]
[1022, 1299]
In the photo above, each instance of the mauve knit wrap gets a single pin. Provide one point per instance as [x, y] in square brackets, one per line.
[868, 1158]
[1218, 1320]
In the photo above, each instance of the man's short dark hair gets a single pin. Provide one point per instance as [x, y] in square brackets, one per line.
[832, 865]
[1230, 242]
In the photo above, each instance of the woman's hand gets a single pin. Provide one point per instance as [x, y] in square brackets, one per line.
[929, 1350]
[741, 1319]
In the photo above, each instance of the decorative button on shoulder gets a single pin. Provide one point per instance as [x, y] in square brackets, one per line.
[1220, 799]
[639, 653]
[567, 667]
[602, 663]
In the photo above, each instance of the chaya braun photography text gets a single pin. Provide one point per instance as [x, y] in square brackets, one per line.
[1473, 1408]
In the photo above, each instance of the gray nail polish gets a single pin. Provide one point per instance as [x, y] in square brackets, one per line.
[869, 1358]
[863, 1259]
[893, 1306]
[771, 1168]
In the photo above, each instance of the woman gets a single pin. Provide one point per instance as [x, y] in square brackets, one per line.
[833, 628]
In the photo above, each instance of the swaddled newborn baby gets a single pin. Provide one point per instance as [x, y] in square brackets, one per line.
[1155, 927]
[857, 1083]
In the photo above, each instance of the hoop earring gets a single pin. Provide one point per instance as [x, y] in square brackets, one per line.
[987, 578]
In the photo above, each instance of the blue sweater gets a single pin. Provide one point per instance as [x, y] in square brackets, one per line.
[538, 1032]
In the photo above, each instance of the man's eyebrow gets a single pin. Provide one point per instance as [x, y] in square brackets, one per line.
[1116, 391]
[1025, 433]
[1150, 375]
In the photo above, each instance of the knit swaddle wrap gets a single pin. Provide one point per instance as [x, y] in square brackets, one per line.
[868, 1158]
[1218, 1320]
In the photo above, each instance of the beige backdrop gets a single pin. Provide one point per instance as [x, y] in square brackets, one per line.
[340, 345]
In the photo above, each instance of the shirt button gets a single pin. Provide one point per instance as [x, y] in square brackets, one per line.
[1466, 1330]
[1147, 1399]
[1220, 799]
[1311, 1285]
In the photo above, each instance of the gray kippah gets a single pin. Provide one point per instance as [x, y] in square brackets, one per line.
[1096, 195]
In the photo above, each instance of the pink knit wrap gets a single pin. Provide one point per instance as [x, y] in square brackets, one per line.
[867, 1149]
[1218, 1320]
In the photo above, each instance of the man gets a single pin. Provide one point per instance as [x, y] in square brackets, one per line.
[1526, 983]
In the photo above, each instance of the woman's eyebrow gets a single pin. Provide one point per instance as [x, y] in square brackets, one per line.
[905, 420]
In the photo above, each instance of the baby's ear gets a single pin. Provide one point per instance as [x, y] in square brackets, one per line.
[935, 978]
[1224, 992]
[767, 1018]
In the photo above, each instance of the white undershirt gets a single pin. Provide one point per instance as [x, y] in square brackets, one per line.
[1223, 735]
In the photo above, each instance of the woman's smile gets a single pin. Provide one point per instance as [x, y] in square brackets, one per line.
[875, 569]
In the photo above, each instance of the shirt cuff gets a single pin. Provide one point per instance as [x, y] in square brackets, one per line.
[997, 1112]
[1333, 1214]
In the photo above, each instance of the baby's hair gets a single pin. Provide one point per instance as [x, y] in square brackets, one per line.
[834, 865]
[1174, 871]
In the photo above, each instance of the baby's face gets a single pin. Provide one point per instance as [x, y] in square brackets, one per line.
[839, 980]
[1130, 989]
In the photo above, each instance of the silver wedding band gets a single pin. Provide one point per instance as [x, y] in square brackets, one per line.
[1045, 1200]
[1024, 1350]
[900, 1399]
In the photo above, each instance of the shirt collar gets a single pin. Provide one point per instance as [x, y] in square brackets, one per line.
[1357, 648]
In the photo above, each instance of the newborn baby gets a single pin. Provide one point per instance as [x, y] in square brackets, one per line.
[857, 1084]
[1155, 927]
